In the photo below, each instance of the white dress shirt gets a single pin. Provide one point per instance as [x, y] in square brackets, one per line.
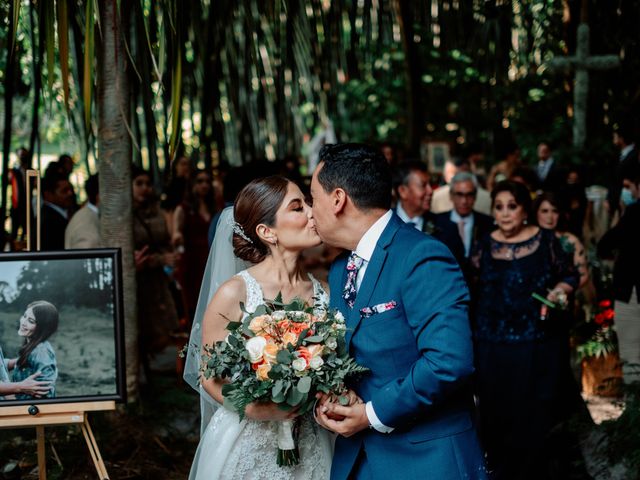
[364, 250]
[544, 168]
[626, 150]
[468, 229]
[417, 221]
[58, 209]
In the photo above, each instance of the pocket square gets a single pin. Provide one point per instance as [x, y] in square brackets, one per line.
[366, 312]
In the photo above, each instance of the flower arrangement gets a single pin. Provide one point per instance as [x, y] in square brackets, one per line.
[282, 353]
[603, 341]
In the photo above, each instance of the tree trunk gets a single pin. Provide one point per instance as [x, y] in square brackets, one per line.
[114, 154]
[415, 115]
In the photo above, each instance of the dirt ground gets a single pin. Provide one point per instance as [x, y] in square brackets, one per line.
[153, 439]
[157, 437]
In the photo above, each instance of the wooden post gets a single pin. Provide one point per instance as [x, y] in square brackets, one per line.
[42, 459]
[35, 174]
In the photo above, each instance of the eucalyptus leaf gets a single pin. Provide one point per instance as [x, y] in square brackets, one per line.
[304, 385]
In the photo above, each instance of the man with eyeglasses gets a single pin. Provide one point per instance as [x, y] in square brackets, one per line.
[468, 225]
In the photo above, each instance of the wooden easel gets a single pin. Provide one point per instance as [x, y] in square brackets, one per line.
[53, 414]
[57, 414]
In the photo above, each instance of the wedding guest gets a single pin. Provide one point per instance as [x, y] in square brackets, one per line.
[462, 227]
[509, 155]
[36, 358]
[28, 386]
[549, 214]
[157, 317]
[411, 184]
[83, 230]
[574, 197]
[623, 140]
[624, 239]
[441, 201]
[177, 190]
[521, 346]
[58, 198]
[191, 226]
[551, 176]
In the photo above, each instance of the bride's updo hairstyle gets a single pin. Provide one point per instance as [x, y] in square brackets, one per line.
[256, 203]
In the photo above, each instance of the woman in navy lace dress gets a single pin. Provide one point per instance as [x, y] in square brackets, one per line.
[522, 350]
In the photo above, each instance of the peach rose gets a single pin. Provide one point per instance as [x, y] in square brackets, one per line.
[270, 352]
[257, 324]
[290, 337]
[263, 371]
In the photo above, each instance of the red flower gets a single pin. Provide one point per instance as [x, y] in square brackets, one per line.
[599, 318]
[604, 303]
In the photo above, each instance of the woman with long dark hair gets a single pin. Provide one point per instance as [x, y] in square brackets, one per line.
[191, 221]
[38, 322]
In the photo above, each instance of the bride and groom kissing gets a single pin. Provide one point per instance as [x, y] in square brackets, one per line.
[406, 308]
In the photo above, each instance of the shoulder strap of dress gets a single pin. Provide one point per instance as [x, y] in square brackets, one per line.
[254, 291]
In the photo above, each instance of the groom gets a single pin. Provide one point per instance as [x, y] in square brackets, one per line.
[405, 303]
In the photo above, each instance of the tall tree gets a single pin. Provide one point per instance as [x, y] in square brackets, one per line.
[114, 154]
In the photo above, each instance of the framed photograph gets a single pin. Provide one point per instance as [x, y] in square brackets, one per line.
[61, 327]
[437, 154]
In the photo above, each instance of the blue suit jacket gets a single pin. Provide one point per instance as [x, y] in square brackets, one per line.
[420, 358]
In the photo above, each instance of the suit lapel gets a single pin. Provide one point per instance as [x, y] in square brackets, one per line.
[371, 276]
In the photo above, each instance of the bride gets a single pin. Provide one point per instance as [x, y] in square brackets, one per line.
[273, 225]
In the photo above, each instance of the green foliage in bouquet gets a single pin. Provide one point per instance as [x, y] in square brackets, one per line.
[282, 353]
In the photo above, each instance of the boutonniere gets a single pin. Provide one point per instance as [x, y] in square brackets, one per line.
[430, 228]
[366, 312]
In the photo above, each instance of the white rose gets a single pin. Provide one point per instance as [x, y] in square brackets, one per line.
[331, 343]
[279, 315]
[299, 364]
[316, 362]
[339, 317]
[255, 347]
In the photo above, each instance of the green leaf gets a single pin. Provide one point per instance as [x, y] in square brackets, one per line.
[63, 47]
[277, 388]
[304, 385]
[284, 357]
[233, 326]
[313, 339]
[89, 48]
[294, 397]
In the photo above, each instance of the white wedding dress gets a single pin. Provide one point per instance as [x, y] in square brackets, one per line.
[233, 450]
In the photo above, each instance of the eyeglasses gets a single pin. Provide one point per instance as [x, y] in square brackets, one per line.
[464, 194]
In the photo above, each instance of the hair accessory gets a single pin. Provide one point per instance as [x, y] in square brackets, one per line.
[238, 230]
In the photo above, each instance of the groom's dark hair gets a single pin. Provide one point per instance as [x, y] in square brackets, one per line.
[360, 170]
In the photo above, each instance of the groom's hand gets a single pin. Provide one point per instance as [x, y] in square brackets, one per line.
[355, 418]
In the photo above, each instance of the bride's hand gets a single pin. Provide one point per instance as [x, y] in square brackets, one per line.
[268, 412]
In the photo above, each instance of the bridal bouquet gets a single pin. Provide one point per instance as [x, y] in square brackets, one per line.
[285, 354]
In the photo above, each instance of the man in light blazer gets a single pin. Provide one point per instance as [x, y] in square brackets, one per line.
[406, 308]
[83, 230]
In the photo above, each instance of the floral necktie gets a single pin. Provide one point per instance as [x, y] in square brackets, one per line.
[353, 265]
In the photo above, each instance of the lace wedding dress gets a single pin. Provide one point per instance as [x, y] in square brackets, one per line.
[233, 450]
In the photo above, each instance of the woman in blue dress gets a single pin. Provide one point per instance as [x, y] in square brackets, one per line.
[521, 345]
[38, 323]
